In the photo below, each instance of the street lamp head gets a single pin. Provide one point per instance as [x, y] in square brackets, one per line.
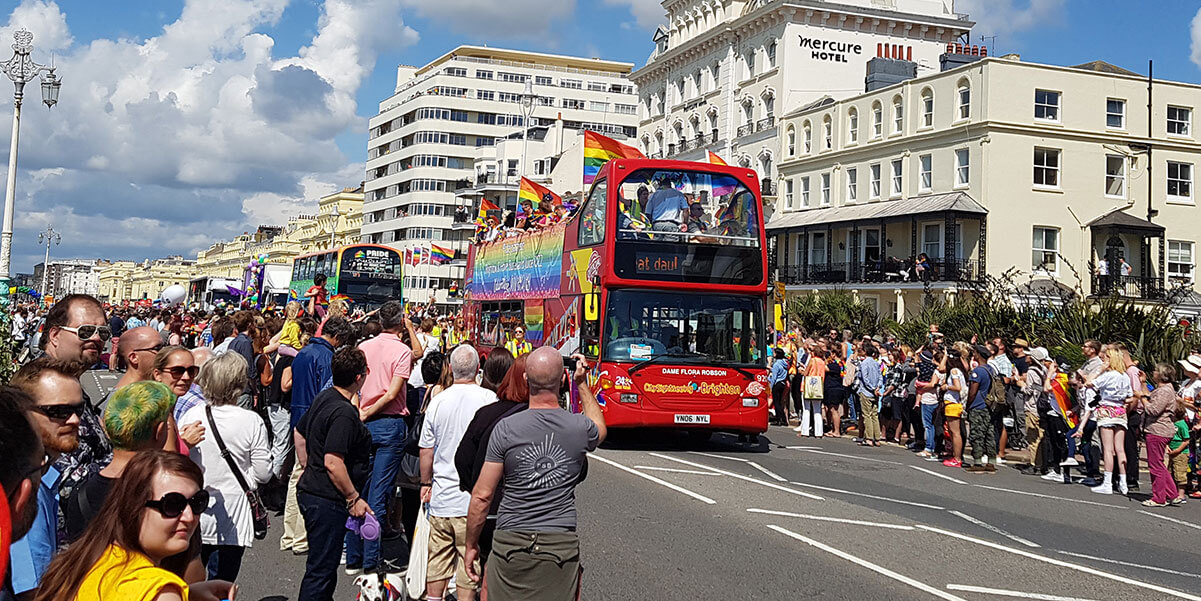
[50, 86]
[527, 98]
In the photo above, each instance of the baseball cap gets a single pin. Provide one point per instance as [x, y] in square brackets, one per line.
[983, 350]
[1039, 353]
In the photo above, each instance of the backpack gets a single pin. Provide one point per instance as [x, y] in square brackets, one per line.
[995, 400]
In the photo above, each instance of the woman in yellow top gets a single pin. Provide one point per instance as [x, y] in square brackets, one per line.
[137, 547]
[518, 345]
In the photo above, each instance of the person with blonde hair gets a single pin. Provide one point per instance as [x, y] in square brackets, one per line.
[1114, 393]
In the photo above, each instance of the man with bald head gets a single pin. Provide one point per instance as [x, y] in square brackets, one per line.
[540, 454]
[138, 348]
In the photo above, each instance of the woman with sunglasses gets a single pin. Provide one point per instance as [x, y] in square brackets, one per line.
[137, 547]
[228, 529]
[175, 367]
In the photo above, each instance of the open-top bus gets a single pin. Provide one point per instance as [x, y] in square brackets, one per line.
[369, 274]
[673, 319]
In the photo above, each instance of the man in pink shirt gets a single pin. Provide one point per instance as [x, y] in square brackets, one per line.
[389, 363]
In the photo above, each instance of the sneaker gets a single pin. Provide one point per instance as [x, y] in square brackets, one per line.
[1125, 488]
[932, 458]
[354, 570]
[1052, 477]
[1091, 482]
[857, 439]
[1029, 470]
[1181, 500]
[1152, 503]
[1001, 461]
[1069, 462]
[1102, 489]
[952, 463]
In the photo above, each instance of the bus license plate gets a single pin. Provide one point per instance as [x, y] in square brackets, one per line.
[682, 418]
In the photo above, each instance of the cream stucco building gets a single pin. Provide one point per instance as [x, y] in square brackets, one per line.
[1060, 173]
[724, 71]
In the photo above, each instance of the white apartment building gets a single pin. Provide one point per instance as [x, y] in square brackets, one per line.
[68, 276]
[424, 143]
[1062, 174]
[723, 70]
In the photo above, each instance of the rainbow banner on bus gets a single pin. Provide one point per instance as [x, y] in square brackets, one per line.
[599, 150]
[520, 267]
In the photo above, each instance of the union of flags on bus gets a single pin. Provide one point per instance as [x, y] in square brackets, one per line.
[599, 150]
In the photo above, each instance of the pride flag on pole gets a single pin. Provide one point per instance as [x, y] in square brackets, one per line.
[441, 255]
[535, 193]
[408, 256]
[599, 150]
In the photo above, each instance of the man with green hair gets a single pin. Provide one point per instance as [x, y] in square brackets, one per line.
[135, 420]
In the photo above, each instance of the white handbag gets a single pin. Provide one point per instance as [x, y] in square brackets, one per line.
[418, 557]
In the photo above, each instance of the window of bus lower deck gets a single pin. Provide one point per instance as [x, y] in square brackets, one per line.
[687, 226]
[497, 319]
[642, 324]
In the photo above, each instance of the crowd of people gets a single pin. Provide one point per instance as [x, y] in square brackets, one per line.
[995, 396]
[348, 426]
[525, 218]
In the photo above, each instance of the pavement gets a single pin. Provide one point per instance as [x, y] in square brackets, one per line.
[664, 517]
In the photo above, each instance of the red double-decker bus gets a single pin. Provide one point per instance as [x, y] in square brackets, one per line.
[659, 277]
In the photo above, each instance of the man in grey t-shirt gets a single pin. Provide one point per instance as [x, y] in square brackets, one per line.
[540, 455]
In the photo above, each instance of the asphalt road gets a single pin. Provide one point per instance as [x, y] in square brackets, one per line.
[826, 519]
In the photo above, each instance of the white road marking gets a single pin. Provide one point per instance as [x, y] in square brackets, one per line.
[773, 475]
[822, 518]
[967, 588]
[1133, 565]
[853, 457]
[739, 476]
[862, 494]
[995, 529]
[1065, 564]
[1037, 494]
[675, 471]
[795, 448]
[938, 475]
[681, 489]
[716, 456]
[1173, 520]
[869, 565]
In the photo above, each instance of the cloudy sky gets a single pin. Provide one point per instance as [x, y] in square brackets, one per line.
[182, 122]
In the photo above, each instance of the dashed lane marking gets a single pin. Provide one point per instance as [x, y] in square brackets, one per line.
[770, 474]
[863, 494]
[990, 527]
[921, 586]
[1065, 564]
[658, 481]
[1038, 494]
[938, 475]
[967, 588]
[1173, 520]
[675, 471]
[822, 518]
[1132, 565]
[739, 476]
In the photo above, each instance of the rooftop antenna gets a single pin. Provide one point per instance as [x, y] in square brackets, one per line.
[984, 39]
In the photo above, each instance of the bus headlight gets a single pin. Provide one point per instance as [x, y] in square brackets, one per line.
[629, 397]
[750, 402]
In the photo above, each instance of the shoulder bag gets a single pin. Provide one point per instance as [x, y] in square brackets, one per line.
[261, 519]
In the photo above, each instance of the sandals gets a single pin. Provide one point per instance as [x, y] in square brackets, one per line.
[1151, 503]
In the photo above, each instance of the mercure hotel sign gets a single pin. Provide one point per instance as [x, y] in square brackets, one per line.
[830, 50]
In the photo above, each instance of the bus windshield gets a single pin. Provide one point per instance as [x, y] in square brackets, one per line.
[723, 329]
[687, 206]
[687, 226]
[370, 275]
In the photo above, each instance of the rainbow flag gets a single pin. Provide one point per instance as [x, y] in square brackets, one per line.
[1063, 402]
[533, 321]
[341, 297]
[535, 192]
[716, 160]
[441, 255]
[599, 150]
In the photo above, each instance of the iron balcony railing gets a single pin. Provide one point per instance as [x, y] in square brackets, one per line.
[746, 129]
[891, 270]
[765, 123]
[1128, 286]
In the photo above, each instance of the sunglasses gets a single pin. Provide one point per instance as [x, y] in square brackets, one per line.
[86, 332]
[59, 412]
[153, 349]
[178, 371]
[172, 504]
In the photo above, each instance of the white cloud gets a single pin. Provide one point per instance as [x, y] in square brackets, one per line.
[648, 13]
[1195, 44]
[192, 133]
[1003, 18]
[490, 19]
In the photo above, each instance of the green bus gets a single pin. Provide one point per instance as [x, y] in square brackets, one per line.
[370, 274]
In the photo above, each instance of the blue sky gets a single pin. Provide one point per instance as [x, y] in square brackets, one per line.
[184, 122]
